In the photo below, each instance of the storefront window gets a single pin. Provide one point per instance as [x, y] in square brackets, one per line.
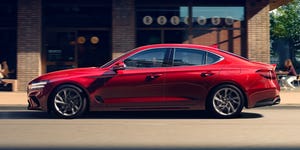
[217, 16]
[296, 53]
[157, 17]
[154, 37]
[218, 26]
[60, 46]
[8, 35]
[161, 25]
[76, 33]
[8, 13]
[88, 13]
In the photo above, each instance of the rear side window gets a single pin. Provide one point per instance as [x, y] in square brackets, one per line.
[188, 57]
[192, 57]
[212, 58]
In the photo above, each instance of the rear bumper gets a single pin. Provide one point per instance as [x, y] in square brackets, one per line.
[268, 102]
[263, 97]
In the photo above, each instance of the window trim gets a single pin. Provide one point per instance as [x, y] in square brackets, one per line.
[221, 58]
[165, 62]
[205, 57]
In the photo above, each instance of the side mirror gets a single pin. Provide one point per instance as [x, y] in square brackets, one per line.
[119, 66]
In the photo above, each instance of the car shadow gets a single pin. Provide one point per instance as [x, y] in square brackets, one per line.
[161, 115]
[151, 148]
[29, 114]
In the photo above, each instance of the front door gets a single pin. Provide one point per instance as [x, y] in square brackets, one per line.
[141, 87]
[141, 83]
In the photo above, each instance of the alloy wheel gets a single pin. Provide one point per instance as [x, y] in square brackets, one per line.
[227, 101]
[68, 102]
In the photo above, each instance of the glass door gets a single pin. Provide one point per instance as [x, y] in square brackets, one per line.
[93, 48]
[60, 51]
[76, 48]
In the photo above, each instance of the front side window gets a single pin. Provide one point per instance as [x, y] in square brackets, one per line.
[188, 57]
[147, 59]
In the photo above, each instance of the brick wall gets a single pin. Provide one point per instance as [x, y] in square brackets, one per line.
[258, 34]
[123, 29]
[28, 41]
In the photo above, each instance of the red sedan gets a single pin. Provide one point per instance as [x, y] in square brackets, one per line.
[159, 77]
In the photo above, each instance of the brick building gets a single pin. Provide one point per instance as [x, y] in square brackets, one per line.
[40, 36]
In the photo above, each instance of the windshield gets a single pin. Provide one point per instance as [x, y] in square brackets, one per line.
[115, 60]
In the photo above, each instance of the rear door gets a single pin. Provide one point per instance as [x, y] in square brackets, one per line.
[190, 76]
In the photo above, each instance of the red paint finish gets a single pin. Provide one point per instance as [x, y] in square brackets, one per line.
[161, 80]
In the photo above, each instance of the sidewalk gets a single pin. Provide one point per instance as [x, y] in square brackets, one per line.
[13, 98]
[20, 98]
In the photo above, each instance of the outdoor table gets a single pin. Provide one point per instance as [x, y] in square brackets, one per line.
[279, 75]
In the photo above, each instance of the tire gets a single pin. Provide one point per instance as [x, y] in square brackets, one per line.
[68, 102]
[226, 101]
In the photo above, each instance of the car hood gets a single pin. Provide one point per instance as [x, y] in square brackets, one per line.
[63, 74]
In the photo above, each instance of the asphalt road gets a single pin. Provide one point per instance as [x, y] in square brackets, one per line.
[269, 128]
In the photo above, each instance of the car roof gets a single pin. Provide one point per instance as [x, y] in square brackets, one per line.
[180, 46]
[218, 51]
[223, 53]
[191, 46]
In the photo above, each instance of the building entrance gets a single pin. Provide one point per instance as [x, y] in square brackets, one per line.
[76, 48]
[93, 48]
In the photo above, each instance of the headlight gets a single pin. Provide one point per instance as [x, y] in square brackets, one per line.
[37, 85]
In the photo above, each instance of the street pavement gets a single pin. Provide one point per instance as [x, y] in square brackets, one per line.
[288, 97]
[265, 128]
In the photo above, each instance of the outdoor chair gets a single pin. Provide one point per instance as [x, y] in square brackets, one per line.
[297, 80]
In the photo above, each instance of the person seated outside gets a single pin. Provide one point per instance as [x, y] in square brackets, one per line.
[4, 71]
[291, 75]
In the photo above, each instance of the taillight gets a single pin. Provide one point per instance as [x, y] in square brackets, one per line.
[269, 74]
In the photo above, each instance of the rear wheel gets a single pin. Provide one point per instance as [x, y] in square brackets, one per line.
[226, 101]
[68, 102]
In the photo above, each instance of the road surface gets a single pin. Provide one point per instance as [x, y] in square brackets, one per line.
[276, 127]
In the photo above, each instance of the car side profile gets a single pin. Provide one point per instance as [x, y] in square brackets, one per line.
[159, 77]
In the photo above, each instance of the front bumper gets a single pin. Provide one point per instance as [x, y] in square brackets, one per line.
[33, 103]
[37, 100]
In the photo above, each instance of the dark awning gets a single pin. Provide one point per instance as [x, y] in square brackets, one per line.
[276, 3]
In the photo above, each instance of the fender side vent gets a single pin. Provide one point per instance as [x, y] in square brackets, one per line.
[99, 99]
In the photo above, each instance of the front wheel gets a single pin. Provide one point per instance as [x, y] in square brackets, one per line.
[226, 101]
[68, 102]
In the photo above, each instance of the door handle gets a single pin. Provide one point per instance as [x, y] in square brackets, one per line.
[206, 74]
[153, 76]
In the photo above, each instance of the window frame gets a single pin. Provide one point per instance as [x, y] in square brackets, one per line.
[165, 62]
[171, 59]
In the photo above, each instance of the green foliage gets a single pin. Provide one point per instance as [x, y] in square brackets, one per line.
[285, 21]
